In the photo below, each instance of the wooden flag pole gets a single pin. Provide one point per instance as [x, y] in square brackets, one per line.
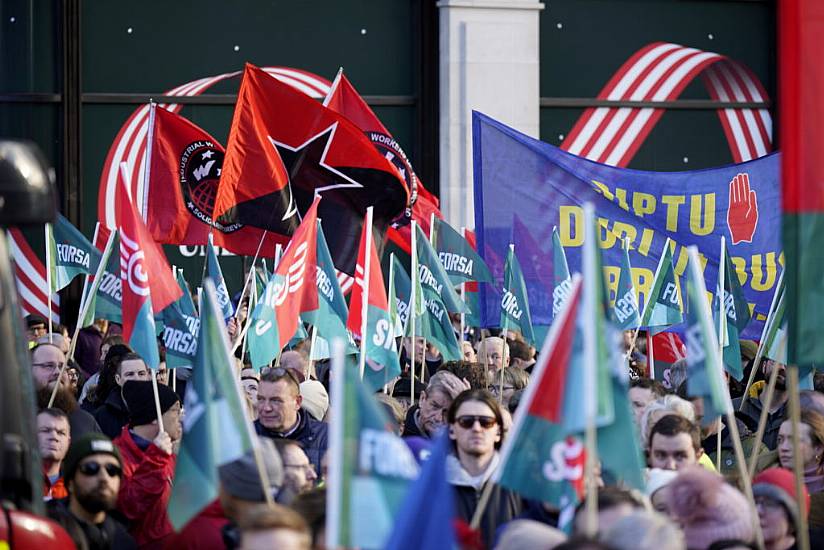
[722, 332]
[49, 281]
[590, 397]
[241, 340]
[157, 403]
[762, 420]
[651, 354]
[312, 351]
[367, 233]
[463, 297]
[802, 534]
[413, 297]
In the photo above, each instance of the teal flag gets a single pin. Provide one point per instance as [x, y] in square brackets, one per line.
[215, 428]
[436, 327]
[775, 333]
[562, 280]
[370, 468]
[71, 253]
[92, 289]
[107, 298]
[459, 259]
[263, 337]
[400, 286]
[663, 304]
[704, 369]
[181, 327]
[625, 312]
[433, 276]
[214, 273]
[737, 313]
[514, 301]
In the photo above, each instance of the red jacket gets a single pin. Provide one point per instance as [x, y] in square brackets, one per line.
[205, 530]
[56, 491]
[145, 490]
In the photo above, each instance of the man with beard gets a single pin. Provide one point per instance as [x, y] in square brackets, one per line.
[93, 471]
[751, 411]
[427, 417]
[47, 361]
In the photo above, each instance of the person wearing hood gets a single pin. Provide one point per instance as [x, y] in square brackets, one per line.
[112, 415]
[476, 430]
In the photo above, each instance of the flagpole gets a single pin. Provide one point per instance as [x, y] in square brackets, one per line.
[646, 302]
[157, 404]
[504, 329]
[367, 233]
[463, 297]
[798, 461]
[760, 350]
[49, 261]
[590, 396]
[85, 304]
[413, 307]
[312, 350]
[722, 331]
[651, 354]
[762, 420]
[241, 341]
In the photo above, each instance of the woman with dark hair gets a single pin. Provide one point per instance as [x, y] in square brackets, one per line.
[811, 446]
[476, 430]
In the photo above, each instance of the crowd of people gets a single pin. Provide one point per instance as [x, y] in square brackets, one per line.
[108, 466]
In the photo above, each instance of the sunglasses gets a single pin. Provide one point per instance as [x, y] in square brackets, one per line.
[468, 421]
[93, 468]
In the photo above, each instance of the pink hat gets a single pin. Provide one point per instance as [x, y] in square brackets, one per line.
[709, 509]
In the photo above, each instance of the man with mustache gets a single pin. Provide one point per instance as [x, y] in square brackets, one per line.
[751, 411]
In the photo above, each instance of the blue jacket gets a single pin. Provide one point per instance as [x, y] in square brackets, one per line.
[310, 433]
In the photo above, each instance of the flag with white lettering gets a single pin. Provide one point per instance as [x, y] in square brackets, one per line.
[214, 272]
[459, 259]
[562, 279]
[514, 303]
[263, 338]
[108, 295]
[625, 310]
[663, 306]
[370, 468]
[71, 253]
[181, 327]
[737, 313]
[400, 285]
[433, 276]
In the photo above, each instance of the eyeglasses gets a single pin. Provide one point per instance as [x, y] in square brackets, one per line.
[93, 468]
[49, 366]
[495, 389]
[468, 421]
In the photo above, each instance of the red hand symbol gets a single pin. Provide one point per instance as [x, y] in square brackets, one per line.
[742, 214]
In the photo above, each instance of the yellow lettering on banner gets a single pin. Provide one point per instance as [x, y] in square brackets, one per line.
[624, 230]
[763, 277]
[680, 264]
[621, 195]
[646, 241]
[571, 218]
[643, 203]
[612, 274]
[603, 189]
[702, 218]
[642, 279]
[781, 259]
[740, 269]
[673, 203]
[606, 238]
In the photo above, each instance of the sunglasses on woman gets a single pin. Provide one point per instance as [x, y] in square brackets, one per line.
[468, 421]
[93, 468]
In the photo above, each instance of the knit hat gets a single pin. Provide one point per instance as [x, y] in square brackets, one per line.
[89, 444]
[315, 398]
[139, 399]
[709, 509]
[658, 478]
[241, 479]
[779, 485]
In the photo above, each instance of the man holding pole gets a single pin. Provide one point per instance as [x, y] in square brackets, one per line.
[146, 448]
[752, 407]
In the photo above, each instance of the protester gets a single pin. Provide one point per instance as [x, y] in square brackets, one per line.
[55, 338]
[643, 530]
[394, 410]
[47, 361]
[148, 461]
[675, 443]
[75, 379]
[777, 505]
[99, 386]
[491, 352]
[709, 510]
[515, 379]
[295, 362]
[112, 415]
[475, 428]
[299, 474]
[657, 489]
[527, 533]
[660, 407]
[280, 415]
[87, 348]
[473, 373]
[753, 406]
[427, 417]
[162, 372]
[811, 445]
[468, 351]
[523, 355]
[53, 443]
[36, 327]
[93, 472]
[312, 507]
[403, 391]
[315, 399]
[274, 527]
[642, 392]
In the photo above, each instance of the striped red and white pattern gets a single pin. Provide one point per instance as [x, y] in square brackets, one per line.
[130, 144]
[30, 274]
[659, 72]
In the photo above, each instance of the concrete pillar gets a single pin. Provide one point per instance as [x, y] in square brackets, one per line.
[488, 63]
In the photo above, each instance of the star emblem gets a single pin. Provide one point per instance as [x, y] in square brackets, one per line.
[207, 155]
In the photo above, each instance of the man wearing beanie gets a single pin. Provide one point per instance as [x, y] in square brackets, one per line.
[92, 470]
[148, 461]
[708, 509]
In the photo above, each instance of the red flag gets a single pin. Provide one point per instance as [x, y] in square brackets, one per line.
[668, 347]
[297, 267]
[377, 293]
[145, 270]
[344, 99]
[181, 184]
[323, 154]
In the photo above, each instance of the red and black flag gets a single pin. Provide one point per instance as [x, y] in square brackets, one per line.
[344, 99]
[284, 149]
[181, 183]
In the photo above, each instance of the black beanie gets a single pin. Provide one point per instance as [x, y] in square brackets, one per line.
[86, 445]
[139, 399]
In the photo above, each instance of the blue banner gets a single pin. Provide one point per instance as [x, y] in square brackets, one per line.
[524, 188]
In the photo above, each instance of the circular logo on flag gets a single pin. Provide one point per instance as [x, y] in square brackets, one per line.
[136, 274]
[393, 152]
[199, 167]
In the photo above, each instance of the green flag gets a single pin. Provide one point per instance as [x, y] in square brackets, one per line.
[625, 312]
[514, 302]
[99, 277]
[737, 317]
[704, 368]
[107, 296]
[263, 337]
[662, 306]
[370, 468]
[214, 273]
[775, 333]
[71, 253]
[400, 287]
[459, 259]
[180, 328]
[561, 269]
[215, 428]
[433, 276]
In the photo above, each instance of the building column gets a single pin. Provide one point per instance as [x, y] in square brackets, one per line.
[488, 63]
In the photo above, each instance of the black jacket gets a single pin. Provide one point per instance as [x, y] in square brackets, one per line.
[310, 433]
[81, 423]
[410, 427]
[112, 415]
[109, 535]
